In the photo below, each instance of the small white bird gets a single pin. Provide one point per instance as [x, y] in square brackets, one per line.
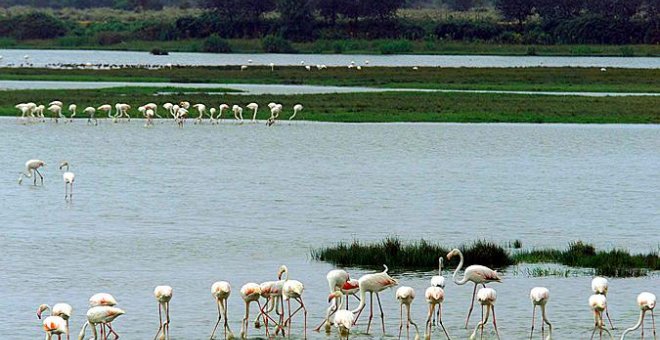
[68, 177]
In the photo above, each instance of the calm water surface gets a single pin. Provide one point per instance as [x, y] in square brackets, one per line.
[187, 207]
[44, 57]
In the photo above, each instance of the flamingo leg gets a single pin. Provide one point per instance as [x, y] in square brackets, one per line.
[371, 310]
[474, 292]
[217, 323]
[167, 318]
[429, 316]
[112, 331]
[653, 322]
[67, 329]
[483, 321]
[224, 312]
[382, 315]
[607, 313]
[440, 321]
[495, 322]
[411, 322]
[533, 316]
[400, 319]
[160, 322]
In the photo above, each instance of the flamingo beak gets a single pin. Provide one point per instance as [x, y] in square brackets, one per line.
[331, 297]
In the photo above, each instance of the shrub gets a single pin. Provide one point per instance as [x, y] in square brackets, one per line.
[396, 46]
[158, 51]
[276, 44]
[215, 44]
[36, 25]
[109, 38]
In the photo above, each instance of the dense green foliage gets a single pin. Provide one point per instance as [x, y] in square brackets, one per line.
[423, 255]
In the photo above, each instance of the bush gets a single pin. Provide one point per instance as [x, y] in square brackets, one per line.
[109, 38]
[35, 25]
[158, 51]
[276, 44]
[396, 47]
[215, 44]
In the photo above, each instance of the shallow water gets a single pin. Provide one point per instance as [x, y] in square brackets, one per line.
[43, 57]
[187, 207]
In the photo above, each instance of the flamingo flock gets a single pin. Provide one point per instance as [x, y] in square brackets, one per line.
[179, 112]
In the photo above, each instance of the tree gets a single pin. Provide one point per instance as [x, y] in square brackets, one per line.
[517, 10]
[381, 9]
[296, 19]
[559, 9]
[618, 9]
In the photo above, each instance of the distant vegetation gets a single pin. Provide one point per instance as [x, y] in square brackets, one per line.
[423, 255]
[511, 22]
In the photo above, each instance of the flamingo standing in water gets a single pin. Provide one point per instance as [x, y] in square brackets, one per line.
[68, 177]
[297, 108]
[201, 108]
[91, 112]
[336, 280]
[486, 298]
[55, 325]
[343, 318]
[100, 315]
[221, 291]
[293, 289]
[250, 292]
[435, 296]
[598, 304]
[540, 297]
[72, 110]
[221, 109]
[254, 107]
[31, 168]
[599, 285]
[374, 284]
[163, 294]
[57, 112]
[406, 295]
[107, 109]
[238, 113]
[646, 302]
[475, 273]
[60, 310]
[103, 300]
[212, 112]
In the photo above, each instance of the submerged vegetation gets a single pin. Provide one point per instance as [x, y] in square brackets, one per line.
[423, 255]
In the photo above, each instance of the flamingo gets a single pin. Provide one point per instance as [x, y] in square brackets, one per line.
[646, 302]
[201, 108]
[272, 292]
[275, 111]
[598, 304]
[149, 113]
[475, 273]
[122, 110]
[39, 112]
[31, 167]
[56, 102]
[238, 113]
[540, 297]
[106, 108]
[599, 285]
[60, 310]
[212, 112]
[185, 105]
[272, 67]
[55, 325]
[254, 107]
[374, 284]
[181, 115]
[168, 107]
[100, 315]
[154, 107]
[103, 300]
[72, 110]
[438, 280]
[68, 178]
[336, 280]
[163, 294]
[406, 295]
[24, 108]
[293, 289]
[91, 112]
[57, 112]
[221, 291]
[434, 296]
[343, 318]
[221, 109]
[486, 298]
[250, 292]
[296, 108]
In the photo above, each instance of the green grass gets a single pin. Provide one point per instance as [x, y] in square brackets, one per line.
[381, 107]
[423, 255]
[509, 79]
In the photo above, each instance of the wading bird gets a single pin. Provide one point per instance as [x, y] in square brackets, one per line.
[435, 296]
[293, 289]
[405, 295]
[374, 284]
[598, 304]
[254, 107]
[163, 295]
[250, 292]
[91, 113]
[438, 280]
[72, 110]
[297, 108]
[201, 109]
[540, 297]
[31, 170]
[212, 112]
[107, 109]
[599, 285]
[221, 291]
[343, 319]
[336, 280]
[100, 315]
[646, 303]
[238, 113]
[61, 310]
[57, 112]
[68, 177]
[475, 273]
[103, 300]
[486, 298]
[54, 325]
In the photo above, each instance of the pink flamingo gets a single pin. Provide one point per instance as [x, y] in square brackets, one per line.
[374, 284]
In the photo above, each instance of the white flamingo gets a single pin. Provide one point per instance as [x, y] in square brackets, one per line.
[293, 289]
[475, 273]
[56, 102]
[221, 291]
[201, 108]
[406, 295]
[72, 110]
[100, 315]
[107, 109]
[598, 304]
[221, 109]
[254, 107]
[212, 112]
[103, 300]
[163, 295]
[57, 112]
[61, 310]
[540, 297]
[435, 296]
[68, 177]
[374, 284]
[645, 302]
[238, 113]
[296, 108]
[487, 298]
[343, 319]
[91, 113]
[31, 168]
[250, 292]
[599, 285]
[54, 325]
[336, 280]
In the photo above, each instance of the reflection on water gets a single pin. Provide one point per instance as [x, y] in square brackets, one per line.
[187, 207]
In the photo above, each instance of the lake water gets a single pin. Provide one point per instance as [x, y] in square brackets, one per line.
[187, 207]
[41, 58]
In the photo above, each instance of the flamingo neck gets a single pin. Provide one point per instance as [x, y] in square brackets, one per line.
[363, 301]
[460, 265]
[636, 326]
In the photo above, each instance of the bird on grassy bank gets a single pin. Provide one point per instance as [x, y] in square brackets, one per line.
[486, 298]
[163, 295]
[31, 170]
[540, 297]
[646, 303]
[476, 274]
[406, 295]
[374, 284]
